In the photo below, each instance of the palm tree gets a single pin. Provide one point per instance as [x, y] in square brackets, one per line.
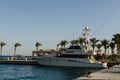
[112, 46]
[74, 42]
[15, 47]
[105, 43]
[93, 42]
[58, 46]
[1, 45]
[37, 45]
[81, 41]
[116, 39]
[63, 43]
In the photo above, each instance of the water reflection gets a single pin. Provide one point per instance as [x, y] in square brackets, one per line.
[29, 72]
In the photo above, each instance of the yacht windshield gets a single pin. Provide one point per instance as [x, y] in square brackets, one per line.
[74, 47]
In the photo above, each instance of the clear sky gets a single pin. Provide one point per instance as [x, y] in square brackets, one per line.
[50, 21]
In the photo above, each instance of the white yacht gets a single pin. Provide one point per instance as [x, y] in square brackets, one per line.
[74, 56]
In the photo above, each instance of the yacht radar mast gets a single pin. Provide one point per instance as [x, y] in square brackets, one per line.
[86, 31]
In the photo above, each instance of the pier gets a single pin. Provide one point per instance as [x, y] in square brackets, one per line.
[112, 73]
[19, 62]
[28, 60]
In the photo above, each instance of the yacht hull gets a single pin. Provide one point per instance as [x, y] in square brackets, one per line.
[67, 62]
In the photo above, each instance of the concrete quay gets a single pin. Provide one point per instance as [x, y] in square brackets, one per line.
[112, 73]
[19, 62]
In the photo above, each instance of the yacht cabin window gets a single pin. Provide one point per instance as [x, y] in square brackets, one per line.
[74, 47]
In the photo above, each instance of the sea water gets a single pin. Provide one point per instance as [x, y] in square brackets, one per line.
[36, 72]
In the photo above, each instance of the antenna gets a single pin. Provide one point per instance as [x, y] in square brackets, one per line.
[99, 28]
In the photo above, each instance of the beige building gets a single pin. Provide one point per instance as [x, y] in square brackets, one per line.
[42, 52]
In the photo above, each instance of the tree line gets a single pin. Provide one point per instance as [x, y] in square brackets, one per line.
[94, 42]
[2, 44]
